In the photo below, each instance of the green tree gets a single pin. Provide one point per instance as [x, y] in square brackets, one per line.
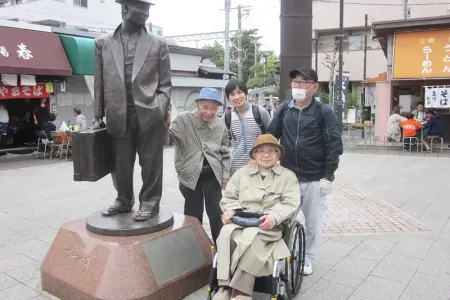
[219, 53]
[267, 74]
[324, 97]
[353, 100]
[250, 38]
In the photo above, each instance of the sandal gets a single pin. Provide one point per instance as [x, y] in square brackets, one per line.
[143, 215]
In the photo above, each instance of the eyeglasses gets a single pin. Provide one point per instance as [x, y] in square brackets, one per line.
[269, 152]
[302, 82]
[211, 108]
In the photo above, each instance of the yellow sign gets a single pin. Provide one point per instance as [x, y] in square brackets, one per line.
[49, 87]
[423, 54]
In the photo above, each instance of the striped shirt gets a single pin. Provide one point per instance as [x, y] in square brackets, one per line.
[244, 132]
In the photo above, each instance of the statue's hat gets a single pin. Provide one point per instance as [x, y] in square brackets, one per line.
[145, 1]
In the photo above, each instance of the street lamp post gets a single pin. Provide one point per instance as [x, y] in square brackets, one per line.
[338, 103]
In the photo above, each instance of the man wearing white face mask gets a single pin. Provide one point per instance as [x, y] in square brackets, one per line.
[311, 135]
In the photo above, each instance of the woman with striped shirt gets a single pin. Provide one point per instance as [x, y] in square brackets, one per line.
[243, 129]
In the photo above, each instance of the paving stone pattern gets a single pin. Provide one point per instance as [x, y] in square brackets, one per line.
[352, 210]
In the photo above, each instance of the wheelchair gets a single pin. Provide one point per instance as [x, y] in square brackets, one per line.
[287, 276]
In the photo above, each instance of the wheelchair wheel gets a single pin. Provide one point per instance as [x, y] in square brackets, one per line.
[294, 270]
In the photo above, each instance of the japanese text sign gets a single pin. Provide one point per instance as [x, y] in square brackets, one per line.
[13, 92]
[423, 54]
[437, 96]
[32, 52]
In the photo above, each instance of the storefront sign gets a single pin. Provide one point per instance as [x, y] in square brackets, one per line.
[423, 54]
[32, 52]
[14, 92]
[9, 79]
[437, 96]
[345, 80]
[28, 80]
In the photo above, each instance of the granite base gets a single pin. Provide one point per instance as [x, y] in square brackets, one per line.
[167, 265]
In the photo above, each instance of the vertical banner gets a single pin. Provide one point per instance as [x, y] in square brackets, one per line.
[345, 81]
[370, 95]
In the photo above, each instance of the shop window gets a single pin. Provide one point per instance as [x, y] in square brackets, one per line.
[81, 3]
[353, 43]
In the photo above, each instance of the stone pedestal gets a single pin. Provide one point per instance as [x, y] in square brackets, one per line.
[166, 265]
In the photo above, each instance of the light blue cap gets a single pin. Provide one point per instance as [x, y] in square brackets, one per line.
[210, 94]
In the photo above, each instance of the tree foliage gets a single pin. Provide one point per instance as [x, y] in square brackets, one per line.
[253, 74]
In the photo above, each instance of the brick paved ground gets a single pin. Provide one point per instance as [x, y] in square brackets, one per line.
[405, 200]
[354, 211]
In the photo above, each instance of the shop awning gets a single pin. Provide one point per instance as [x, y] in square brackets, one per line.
[32, 52]
[80, 52]
[382, 77]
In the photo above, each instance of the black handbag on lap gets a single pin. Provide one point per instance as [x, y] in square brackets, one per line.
[247, 219]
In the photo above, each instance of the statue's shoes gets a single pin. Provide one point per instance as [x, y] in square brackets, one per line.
[114, 210]
[144, 215]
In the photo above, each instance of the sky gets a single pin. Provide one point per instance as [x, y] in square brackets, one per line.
[180, 17]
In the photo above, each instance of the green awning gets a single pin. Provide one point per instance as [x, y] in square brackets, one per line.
[80, 52]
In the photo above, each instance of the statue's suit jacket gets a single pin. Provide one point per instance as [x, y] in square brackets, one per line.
[151, 81]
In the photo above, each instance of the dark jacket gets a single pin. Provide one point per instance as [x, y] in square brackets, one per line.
[435, 126]
[311, 137]
[151, 81]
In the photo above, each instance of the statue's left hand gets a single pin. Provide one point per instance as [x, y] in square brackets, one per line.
[169, 116]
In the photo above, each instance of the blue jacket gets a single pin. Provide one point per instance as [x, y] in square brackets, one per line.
[435, 126]
[311, 138]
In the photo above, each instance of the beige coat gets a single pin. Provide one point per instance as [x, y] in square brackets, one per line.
[256, 250]
[393, 127]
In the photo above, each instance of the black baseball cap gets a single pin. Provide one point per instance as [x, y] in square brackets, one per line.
[430, 111]
[306, 72]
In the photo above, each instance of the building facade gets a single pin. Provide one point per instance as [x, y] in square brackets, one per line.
[71, 14]
[418, 68]
[326, 29]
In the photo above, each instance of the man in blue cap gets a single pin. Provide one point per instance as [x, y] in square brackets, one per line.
[202, 157]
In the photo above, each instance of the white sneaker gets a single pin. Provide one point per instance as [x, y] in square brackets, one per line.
[307, 270]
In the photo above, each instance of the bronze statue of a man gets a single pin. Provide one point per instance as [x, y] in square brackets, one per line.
[132, 89]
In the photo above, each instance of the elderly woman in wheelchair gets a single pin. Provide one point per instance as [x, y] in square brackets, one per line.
[257, 201]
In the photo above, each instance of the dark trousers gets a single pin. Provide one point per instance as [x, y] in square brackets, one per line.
[209, 189]
[149, 145]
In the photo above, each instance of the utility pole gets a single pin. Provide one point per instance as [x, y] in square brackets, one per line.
[239, 58]
[226, 61]
[338, 103]
[405, 9]
[363, 98]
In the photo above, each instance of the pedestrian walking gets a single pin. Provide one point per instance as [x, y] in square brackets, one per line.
[311, 135]
[268, 107]
[245, 122]
[202, 158]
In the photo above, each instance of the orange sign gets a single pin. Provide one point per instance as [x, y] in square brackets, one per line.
[423, 54]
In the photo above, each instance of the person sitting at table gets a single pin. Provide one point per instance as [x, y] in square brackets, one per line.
[245, 253]
[411, 129]
[434, 127]
[49, 126]
[393, 125]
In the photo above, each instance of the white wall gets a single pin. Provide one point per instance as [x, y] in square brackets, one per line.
[99, 14]
[354, 63]
[326, 14]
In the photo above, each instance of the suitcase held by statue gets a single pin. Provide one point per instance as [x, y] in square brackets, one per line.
[91, 152]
